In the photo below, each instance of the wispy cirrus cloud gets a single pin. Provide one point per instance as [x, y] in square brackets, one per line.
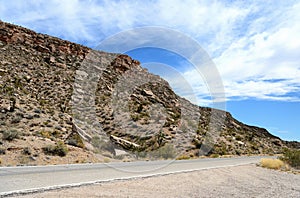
[264, 63]
[261, 62]
[94, 20]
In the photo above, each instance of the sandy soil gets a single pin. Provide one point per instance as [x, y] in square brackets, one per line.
[240, 181]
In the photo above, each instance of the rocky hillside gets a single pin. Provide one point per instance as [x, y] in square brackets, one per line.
[61, 102]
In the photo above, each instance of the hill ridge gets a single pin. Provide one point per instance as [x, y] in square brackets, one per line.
[123, 108]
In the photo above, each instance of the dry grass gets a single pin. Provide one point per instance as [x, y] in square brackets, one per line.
[183, 157]
[106, 160]
[272, 164]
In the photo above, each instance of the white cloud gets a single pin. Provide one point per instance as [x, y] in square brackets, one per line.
[254, 44]
[253, 65]
[196, 18]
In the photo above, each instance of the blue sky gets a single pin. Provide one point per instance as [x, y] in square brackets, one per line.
[255, 46]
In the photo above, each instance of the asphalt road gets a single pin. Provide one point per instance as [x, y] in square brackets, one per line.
[14, 180]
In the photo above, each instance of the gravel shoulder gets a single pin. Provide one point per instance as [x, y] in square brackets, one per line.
[238, 181]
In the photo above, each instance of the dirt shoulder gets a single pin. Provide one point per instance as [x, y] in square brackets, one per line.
[239, 181]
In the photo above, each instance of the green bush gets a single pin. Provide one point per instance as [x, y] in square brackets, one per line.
[59, 149]
[292, 157]
[10, 135]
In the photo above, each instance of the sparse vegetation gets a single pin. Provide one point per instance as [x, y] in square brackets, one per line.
[197, 142]
[17, 82]
[75, 140]
[220, 149]
[24, 159]
[10, 134]
[96, 141]
[292, 157]
[16, 119]
[140, 154]
[272, 163]
[214, 155]
[100, 145]
[45, 134]
[7, 90]
[43, 102]
[166, 152]
[238, 137]
[160, 137]
[50, 134]
[106, 160]
[135, 117]
[26, 151]
[2, 151]
[183, 157]
[59, 149]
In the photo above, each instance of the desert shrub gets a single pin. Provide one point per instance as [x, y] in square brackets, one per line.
[106, 160]
[45, 134]
[255, 146]
[215, 155]
[238, 138]
[18, 82]
[166, 152]
[140, 154]
[43, 102]
[197, 143]
[183, 157]
[96, 141]
[24, 160]
[75, 140]
[7, 90]
[59, 149]
[49, 134]
[135, 117]
[220, 149]
[10, 134]
[100, 145]
[292, 157]
[26, 151]
[238, 152]
[272, 163]
[2, 151]
[16, 119]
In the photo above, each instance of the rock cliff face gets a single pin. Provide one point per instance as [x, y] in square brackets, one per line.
[54, 92]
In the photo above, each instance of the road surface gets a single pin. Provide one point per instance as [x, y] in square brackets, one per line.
[15, 180]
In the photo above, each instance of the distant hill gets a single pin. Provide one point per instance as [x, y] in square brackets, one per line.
[62, 102]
